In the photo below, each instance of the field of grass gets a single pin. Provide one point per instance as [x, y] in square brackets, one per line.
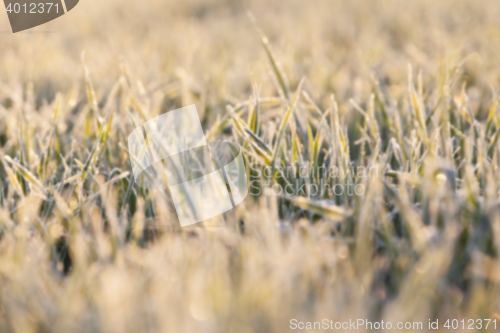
[408, 88]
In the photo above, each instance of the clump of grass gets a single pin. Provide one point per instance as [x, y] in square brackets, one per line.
[84, 249]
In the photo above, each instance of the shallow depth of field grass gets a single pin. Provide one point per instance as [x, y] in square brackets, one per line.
[408, 87]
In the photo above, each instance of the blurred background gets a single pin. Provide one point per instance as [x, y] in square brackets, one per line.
[214, 44]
